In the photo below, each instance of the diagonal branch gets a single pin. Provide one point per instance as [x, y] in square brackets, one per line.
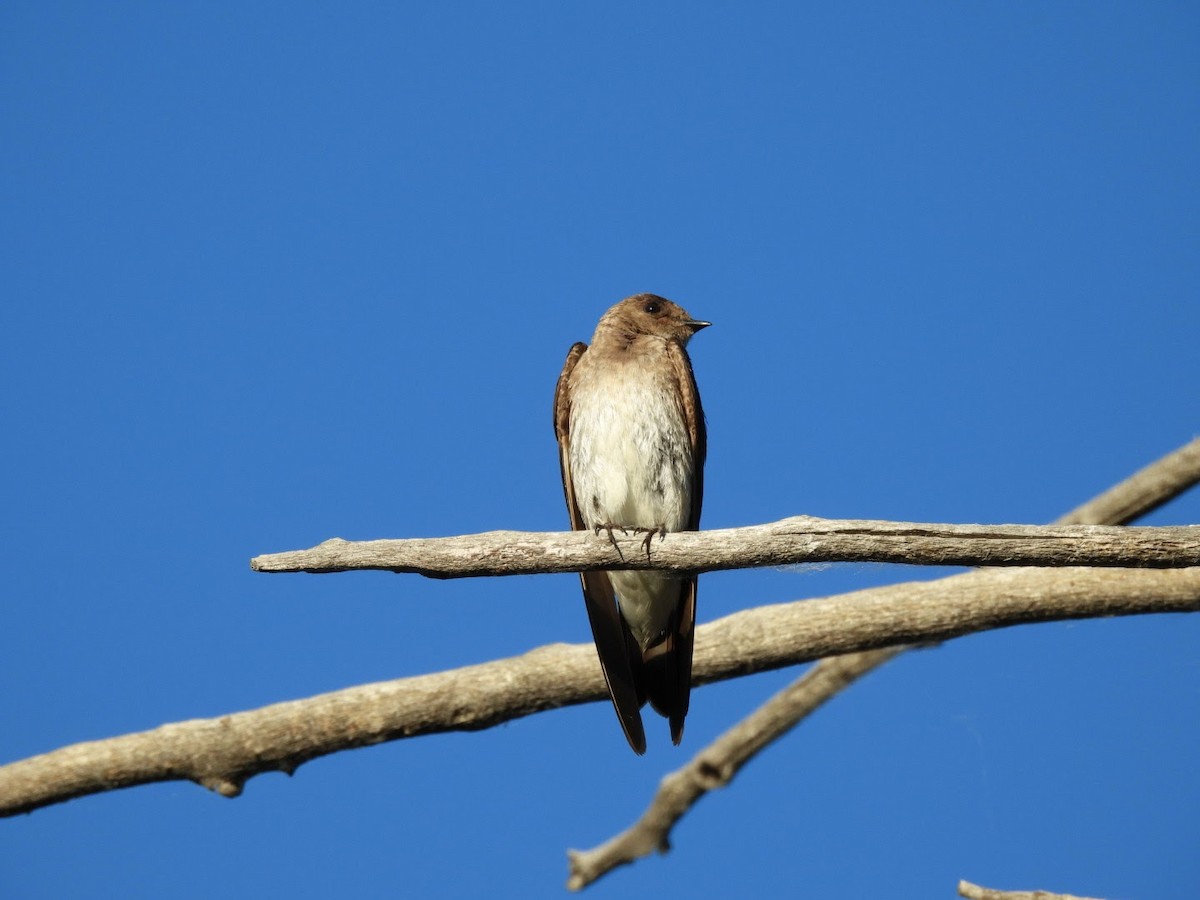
[1143, 492]
[717, 764]
[223, 753]
[800, 539]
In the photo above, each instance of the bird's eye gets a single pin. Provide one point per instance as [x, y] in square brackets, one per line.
[653, 307]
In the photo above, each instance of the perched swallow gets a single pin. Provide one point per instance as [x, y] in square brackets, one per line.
[631, 444]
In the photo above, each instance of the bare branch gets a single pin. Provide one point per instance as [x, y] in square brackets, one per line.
[801, 539]
[678, 792]
[717, 764]
[975, 892]
[1142, 492]
[222, 753]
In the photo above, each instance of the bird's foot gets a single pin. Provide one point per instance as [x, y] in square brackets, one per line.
[610, 527]
[660, 530]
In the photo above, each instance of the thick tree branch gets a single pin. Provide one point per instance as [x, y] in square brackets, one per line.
[222, 753]
[801, 539]
[717, 764]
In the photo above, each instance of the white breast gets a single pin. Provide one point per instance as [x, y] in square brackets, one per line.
[631, 461]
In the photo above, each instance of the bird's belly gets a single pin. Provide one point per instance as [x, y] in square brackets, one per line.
[631, 461]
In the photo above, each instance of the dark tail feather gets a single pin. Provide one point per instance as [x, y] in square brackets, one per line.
[613, 647]
[660, 674]
[667, 666]
[637, 667]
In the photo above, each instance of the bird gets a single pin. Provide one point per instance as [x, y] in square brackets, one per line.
[632, 443]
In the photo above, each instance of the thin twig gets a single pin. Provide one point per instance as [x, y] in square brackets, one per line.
[1143, 492]
[800, 539]
[975, 892]
[717, 764]
[1135, 496]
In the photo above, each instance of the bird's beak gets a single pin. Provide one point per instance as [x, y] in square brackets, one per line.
[696, 325]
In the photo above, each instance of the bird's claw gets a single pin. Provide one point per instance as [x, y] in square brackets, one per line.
[608, 527]
[660, 530]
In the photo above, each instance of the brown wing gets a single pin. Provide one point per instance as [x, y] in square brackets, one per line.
[693, 419]
[608, 629]
[562, 423]
[685, 621]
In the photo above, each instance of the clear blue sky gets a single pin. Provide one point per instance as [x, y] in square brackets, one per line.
[278, 272]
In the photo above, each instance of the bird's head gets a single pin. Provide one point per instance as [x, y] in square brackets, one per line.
[652, 315]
